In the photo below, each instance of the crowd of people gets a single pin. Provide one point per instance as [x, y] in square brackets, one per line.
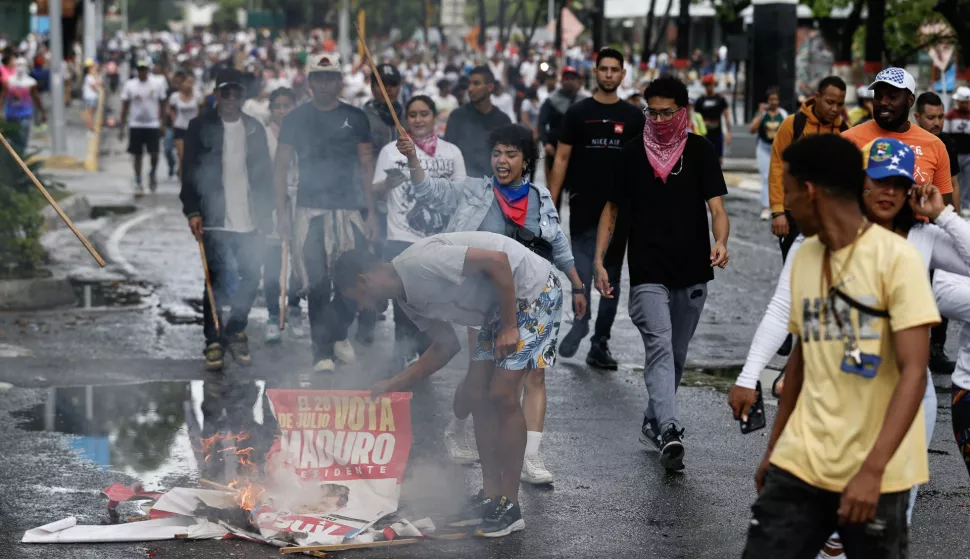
[411, 189]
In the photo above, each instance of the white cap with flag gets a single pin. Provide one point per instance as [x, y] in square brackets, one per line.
[896, 77]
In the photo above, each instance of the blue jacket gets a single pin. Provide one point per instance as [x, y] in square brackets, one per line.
[468, 201]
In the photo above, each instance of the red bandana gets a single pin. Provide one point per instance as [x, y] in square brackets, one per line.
[516, 210]
[428, 144]
[664, 142]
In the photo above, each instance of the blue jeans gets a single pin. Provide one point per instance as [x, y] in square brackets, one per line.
[221, 249]
[21, 140]
[169, 146]
[584, 249]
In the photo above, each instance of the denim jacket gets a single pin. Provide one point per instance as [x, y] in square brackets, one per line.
[468, 201]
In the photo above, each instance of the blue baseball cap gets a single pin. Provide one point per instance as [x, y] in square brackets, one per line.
[888, 157]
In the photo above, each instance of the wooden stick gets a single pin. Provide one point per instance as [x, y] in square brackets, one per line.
[80, 236]
[139, 518]
[348, 546]
[380, 82]
[208, 287]
[284, 275]
[316, 554]
[214, 485]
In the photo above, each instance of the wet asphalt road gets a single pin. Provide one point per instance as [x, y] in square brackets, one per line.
[104, 398]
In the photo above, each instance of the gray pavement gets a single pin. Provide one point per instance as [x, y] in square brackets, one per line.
[103, 396]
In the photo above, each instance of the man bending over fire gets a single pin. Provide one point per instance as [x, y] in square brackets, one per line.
[478, 280]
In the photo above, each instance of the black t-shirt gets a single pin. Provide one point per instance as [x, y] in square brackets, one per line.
[597, 133]
[951, 151]
[711, 107]
[668, 234]
[326, 144]
[469, 130]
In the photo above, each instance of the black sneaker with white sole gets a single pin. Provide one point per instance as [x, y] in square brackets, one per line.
[650, 434]
[505, 519]
[672, 448]
[477, 508]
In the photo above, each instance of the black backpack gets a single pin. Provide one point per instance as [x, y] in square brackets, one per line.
[799, 126]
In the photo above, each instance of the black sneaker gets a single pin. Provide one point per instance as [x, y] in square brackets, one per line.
[785, 349]
[239, 348]
[599, 356]
[474, 511]
[940, 364]
[152, 183]
[672, 449]
[649, 434]
[570, 344]
[503, 520]
[214, 357]
[365, 335]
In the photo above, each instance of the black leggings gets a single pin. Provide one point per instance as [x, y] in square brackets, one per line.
[960, 413]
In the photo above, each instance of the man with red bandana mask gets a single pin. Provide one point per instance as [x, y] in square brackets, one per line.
[669, 181]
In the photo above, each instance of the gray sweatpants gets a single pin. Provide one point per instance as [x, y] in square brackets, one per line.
[667, 319]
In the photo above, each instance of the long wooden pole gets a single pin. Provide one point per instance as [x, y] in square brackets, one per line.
[208, 287]
[80, 236]
[376, 75]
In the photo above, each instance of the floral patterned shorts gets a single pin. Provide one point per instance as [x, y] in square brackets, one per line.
[538, 332]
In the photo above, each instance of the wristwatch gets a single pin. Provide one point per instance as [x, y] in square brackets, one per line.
[579, 290]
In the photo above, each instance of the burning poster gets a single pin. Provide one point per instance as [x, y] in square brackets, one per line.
[337, 467]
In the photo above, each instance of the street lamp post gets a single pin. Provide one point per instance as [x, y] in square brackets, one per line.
[58, 139]
[771, 58]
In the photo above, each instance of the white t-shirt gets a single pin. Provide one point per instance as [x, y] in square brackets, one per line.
[145, 100]
[235, 178]
[506, 104]
[184, 110]
[90, 91]
[406, 219]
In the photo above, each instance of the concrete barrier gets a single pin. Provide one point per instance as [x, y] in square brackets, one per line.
[36, 294]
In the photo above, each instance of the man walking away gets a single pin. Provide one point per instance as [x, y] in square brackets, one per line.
[594, 132]
[957, 127]
[553, 111]
[821, 114]
[848, 442]
[227, 194]
[714, 108]
[929, 117]
[142, 100]
[331, 141]
[470, 125]
[668, 181]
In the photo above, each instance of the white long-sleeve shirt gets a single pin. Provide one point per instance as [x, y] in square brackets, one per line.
[944, 245]
[953, 298]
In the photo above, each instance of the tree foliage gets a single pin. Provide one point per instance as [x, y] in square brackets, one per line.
[152, 14]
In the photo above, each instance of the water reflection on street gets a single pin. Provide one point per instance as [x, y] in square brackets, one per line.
[151, 431]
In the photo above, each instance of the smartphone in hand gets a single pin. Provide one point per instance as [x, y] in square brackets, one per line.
[756, 415]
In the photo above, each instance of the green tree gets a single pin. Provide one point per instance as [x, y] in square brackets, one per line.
[152, 14]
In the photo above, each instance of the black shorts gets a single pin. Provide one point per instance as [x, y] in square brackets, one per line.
[179, 133]
[141, 140]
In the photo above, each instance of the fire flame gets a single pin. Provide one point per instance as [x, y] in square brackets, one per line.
[247, 493]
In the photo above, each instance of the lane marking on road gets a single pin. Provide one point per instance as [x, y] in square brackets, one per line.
[756, 246]
[113, 247]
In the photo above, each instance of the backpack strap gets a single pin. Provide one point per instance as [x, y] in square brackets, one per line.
[798, 126]
[863, 308]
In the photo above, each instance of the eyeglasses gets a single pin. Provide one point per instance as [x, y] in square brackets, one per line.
[230, 92]
[286, 107]
[665, 114]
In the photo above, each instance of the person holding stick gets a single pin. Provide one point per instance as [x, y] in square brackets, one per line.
[227, 186]
[281, 103]
[331, 142]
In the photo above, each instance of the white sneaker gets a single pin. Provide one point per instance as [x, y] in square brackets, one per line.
[345, 352]
[534, 471]
[459, 449]
[273, 333]
[324, 366]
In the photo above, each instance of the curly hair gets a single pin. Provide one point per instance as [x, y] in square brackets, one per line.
[519, 137]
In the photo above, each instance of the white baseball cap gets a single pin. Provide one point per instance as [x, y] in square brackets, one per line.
[896, 77]
[962, 93]
[327, 62]
[864, 92]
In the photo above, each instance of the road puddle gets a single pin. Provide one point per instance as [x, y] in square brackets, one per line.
[151, 431]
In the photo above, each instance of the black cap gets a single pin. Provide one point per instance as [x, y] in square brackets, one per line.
[389, 74]
[229, 77]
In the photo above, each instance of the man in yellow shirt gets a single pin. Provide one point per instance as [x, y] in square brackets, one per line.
[862, 308]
